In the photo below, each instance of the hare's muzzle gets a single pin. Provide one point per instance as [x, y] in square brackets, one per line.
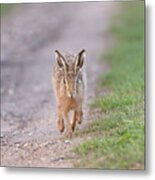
[71, 90]
[71, 94]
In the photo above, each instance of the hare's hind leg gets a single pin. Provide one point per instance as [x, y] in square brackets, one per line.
[60, 120]
[74, 120]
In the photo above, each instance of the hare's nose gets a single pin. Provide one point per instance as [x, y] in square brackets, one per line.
[71, 95]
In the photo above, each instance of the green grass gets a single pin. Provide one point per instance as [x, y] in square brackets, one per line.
[118, 135]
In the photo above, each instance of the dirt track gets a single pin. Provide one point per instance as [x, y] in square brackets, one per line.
[30, 34]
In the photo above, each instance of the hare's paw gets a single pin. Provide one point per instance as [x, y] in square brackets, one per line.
[74, 120]
[69, 133]
[79, 117]
[61, 125]
[73, 126]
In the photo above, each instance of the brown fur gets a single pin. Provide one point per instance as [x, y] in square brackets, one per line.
[69, 85]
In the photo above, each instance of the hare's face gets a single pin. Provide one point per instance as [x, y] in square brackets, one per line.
[71, 66]
[70, 84]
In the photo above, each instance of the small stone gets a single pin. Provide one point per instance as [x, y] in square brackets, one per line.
[30, 134]
[1, 135]
[58, 159]
[29, 162]
[89, 138]
[25, 145]
[10, 92]
[67, 142]
[15, 133]
[42, 159]
[11, 122]
[35, 146]
[16, 148]
[17, 145]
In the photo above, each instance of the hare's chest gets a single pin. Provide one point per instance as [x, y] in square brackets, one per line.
[69, 103]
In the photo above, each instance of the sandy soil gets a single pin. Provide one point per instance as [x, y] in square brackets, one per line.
[30, 34]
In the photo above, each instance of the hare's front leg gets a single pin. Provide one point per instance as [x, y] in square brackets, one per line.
[69, 127]
[79, 115]
[60, 120]
[74, 120]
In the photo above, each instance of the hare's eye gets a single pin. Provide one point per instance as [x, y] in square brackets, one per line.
[64, 81]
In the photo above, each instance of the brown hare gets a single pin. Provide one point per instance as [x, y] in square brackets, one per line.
[69, 85]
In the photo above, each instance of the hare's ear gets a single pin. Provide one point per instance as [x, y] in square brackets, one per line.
[60, 59]
[79, 60]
